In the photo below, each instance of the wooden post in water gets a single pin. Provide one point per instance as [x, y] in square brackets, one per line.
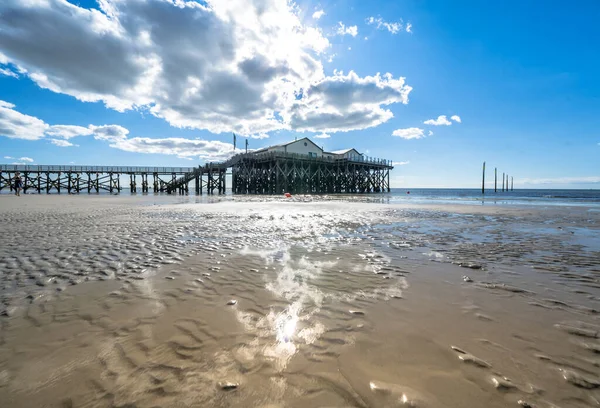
[495, 179]
[511, 183]
[483, 180]
[502, 182]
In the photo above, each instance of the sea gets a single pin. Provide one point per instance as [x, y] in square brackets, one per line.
[544, 197]
[589, 197]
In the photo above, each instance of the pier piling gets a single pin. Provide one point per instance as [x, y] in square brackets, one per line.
[483, 180]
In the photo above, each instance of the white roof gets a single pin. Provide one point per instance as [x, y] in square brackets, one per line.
[343, 151]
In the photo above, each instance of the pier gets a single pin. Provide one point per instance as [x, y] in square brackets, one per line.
[298, 167]
[93, 179]
[276, 172]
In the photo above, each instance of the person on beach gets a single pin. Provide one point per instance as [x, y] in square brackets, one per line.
[18, 184]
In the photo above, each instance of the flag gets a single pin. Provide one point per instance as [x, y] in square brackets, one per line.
[234, 142]
[246, 145]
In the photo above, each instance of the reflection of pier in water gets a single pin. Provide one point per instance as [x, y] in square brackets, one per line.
[252, 173]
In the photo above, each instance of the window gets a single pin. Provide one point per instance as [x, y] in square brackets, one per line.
[305, 144]
[312, 154]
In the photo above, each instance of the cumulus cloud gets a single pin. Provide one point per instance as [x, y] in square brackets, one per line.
[8, 72]
[318, 14]
[25, 126]
[110, 133]
[223, 66]
[210, 151]
[322, 136]
[402, 163]
[409, 133]
[456, 118]
[16, 125]
[343, 30]
[68, 131]
[441, 120]
[62, 143]
[347, 102]
[430, 133]
[392, 27]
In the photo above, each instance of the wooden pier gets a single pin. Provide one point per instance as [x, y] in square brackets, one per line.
[94, 179]
[252, 173]
[277, 172]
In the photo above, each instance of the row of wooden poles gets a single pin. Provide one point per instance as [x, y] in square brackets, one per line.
[505, 184]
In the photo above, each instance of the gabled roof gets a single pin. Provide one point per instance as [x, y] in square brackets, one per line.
[287, 144]
[344, 151]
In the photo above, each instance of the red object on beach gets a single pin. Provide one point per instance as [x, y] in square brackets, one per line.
[288, 195]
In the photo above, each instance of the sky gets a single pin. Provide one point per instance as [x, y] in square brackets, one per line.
[436, 86]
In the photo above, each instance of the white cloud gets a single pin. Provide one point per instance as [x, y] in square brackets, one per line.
[68, 131]
[347, 102]
[402, 163]
[430, 133]
[116, 135]
[259, 136]
[8, 72]
[562, 180]
[183, 148]
[343, 30]
[62, 143]
[441, 120]
[318, 14]
[409, 133]
[393, 27]
[223, 66]
[8, 157]
[456, 118]
[110, 133]
[17, 125]
[322, 136]
[409, 28]
[14, 124]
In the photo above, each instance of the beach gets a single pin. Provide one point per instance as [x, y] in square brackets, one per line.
[159, 301]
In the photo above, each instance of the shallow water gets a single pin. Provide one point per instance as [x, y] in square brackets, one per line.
[111, 302]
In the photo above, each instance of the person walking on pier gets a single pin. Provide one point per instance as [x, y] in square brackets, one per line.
[18, 184]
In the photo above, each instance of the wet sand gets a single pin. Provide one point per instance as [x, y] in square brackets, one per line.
[258, 302]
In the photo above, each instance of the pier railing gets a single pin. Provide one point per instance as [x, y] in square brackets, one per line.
[95, 169]
[285, 155]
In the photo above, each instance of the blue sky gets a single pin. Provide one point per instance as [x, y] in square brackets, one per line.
[520, 75]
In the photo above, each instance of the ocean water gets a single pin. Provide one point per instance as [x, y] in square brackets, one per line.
[544, 197]
[517, 197]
